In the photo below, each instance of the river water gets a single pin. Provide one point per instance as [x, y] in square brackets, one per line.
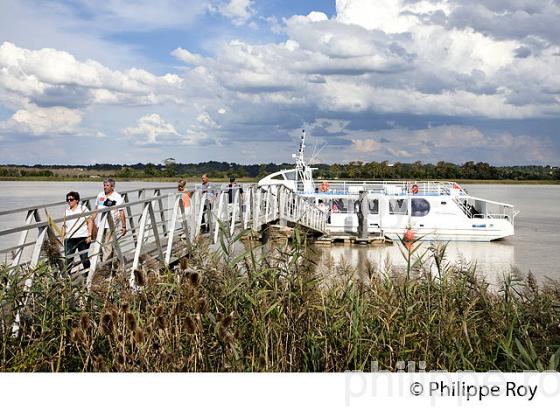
[535, 246]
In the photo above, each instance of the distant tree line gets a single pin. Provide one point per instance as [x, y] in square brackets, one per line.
[16, 172]
[351, 170]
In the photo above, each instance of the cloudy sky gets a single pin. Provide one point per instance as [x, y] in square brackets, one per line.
[126, 81]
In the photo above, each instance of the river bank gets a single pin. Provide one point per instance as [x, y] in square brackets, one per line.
[196, 179]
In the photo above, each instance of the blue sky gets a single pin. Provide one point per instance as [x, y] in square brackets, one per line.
[127, 81]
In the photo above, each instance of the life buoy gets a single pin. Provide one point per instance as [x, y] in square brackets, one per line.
[325, 187]
[414, 189]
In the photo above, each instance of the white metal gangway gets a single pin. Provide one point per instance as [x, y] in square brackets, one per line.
[159, 225]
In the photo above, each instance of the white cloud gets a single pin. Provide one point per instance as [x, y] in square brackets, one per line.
[151, 129]
[40, 121]
[186, 56]
[205, 119]
[366, 145]
[384, 15]
[239, 11]
[35, 74]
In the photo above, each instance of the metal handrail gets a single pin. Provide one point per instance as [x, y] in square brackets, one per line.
[387, 187]
[258, 207]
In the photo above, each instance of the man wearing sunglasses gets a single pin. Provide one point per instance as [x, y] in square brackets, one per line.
[76, 232]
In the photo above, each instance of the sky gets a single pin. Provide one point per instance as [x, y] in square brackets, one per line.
[128, 81]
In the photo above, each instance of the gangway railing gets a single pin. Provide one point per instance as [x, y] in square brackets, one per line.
[160, 226]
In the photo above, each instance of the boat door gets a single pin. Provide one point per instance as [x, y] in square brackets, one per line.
[374, 213]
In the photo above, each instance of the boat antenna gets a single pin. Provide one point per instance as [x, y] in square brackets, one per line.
[316, 154]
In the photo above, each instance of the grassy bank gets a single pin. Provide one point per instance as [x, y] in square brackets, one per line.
[273, 312]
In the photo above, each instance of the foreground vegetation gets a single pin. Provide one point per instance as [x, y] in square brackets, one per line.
[273, 311]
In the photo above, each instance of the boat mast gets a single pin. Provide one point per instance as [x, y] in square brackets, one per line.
[304, 177]
[300, 162]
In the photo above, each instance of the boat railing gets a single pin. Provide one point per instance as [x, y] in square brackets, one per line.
[396, 188]
[492, 216]
[463, 206]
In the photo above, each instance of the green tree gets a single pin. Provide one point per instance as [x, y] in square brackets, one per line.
[170, 169]
[150, 170]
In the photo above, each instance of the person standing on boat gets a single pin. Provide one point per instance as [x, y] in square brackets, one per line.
[205, 226]
[109, 197]
[232, 187]
[76, 233]
[325, 208]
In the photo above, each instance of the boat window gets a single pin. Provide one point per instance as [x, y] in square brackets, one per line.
[290, 175]
[339, 205]
[398, 207]
[420, 207]
[278, 177]
[373, 206]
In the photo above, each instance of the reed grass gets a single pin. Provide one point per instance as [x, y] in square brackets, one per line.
[271, 310]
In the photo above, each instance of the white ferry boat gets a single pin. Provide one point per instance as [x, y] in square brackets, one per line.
[434, 210]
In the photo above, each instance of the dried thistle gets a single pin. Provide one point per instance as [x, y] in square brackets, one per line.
[130, 321]
[124, 307]
[183, 263]
[77, 335]
[225, 335]
[120, 359]
[85, 323]
[190, 325]
[194, 279]
[159, 310]
[114, 314]
[201, 305]
[227, 320]
[161, 323]
[139, 337]
[120, 338]
[139, 278]
[99, 363]
[107, 324]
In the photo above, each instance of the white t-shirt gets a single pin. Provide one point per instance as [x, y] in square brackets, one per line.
[100, 201]
[76, 228]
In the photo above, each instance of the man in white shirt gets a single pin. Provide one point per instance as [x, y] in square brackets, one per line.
[110, 197]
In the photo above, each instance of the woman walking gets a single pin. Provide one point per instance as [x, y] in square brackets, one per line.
[76, 232]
